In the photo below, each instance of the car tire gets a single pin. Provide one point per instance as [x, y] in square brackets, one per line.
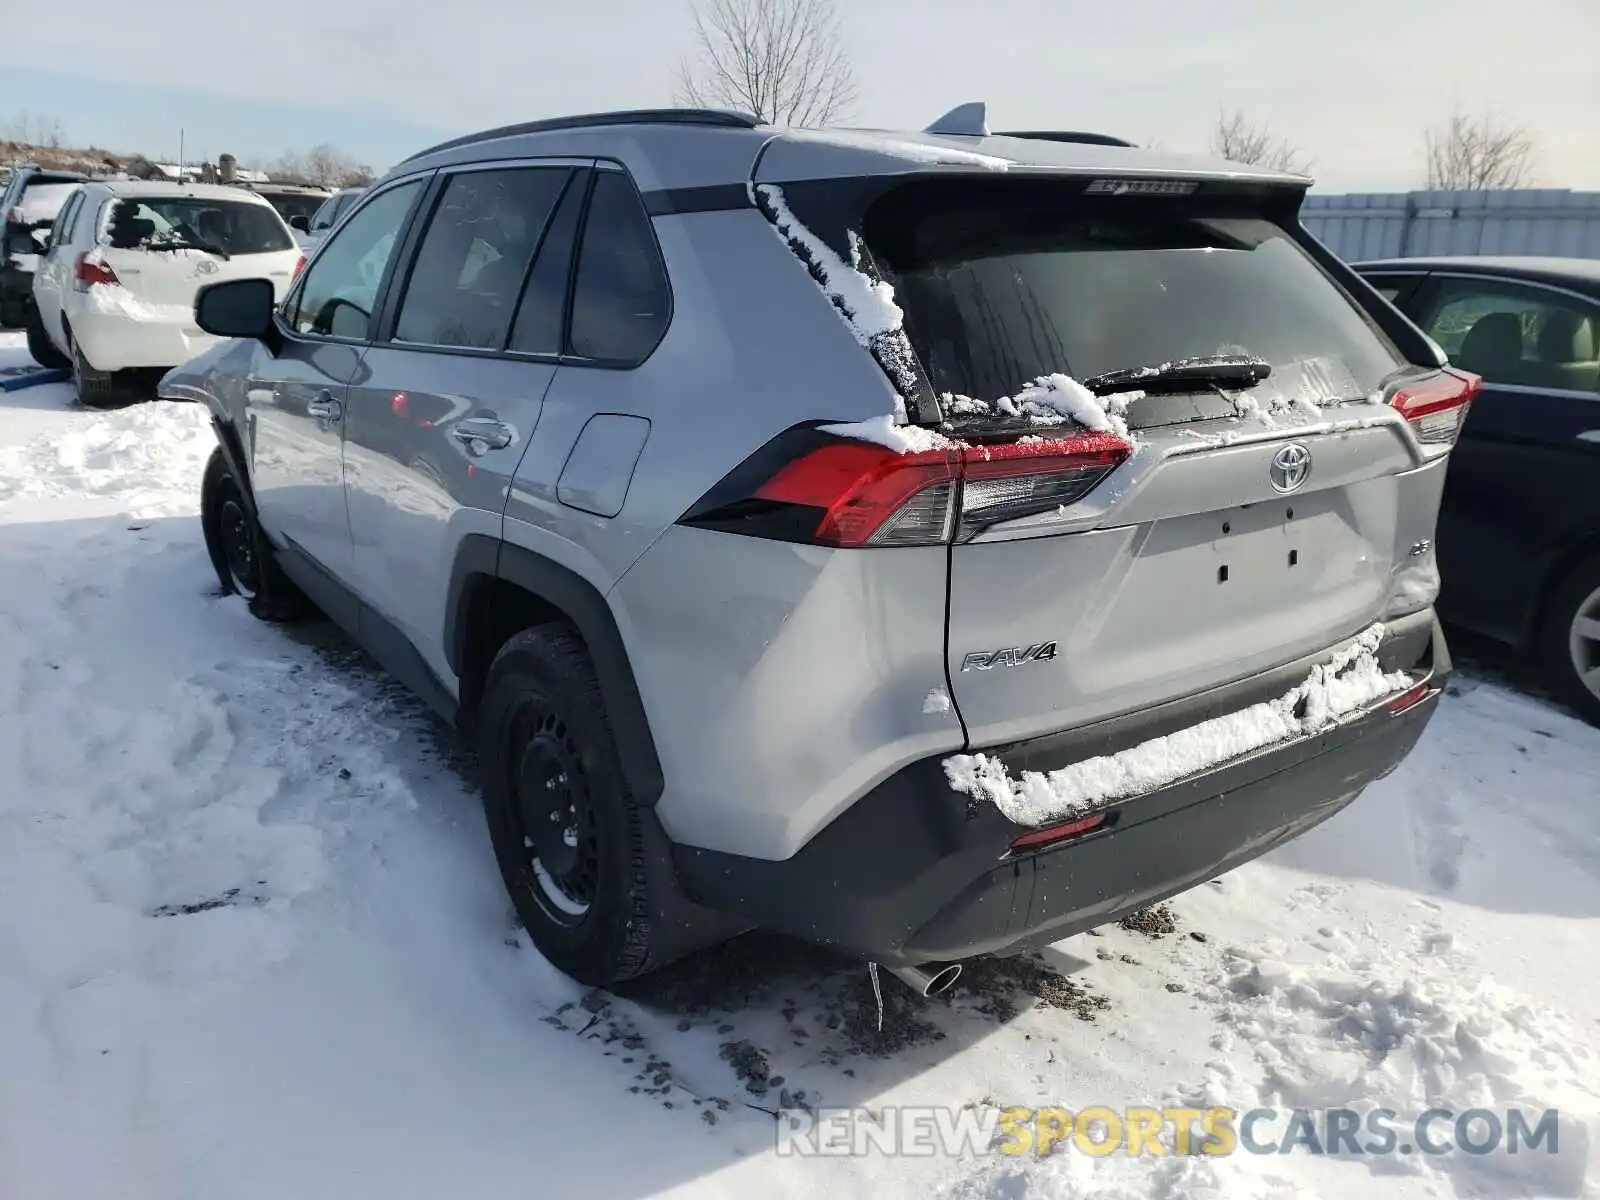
[1572, 640]
[96, 389]
[42, 350]
[583, 860]
[239, 551]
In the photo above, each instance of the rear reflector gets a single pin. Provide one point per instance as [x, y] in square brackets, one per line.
[1437, 406]
[1410, 698]
[1058, 833]
[89, 271]
[808, 486]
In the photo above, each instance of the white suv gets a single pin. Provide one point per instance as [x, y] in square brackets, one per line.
[114, 292]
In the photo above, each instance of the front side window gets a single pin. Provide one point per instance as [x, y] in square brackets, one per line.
[621, 302]
[224, 227]
[323, 217]
[1517, 335]
[474, 257]
[340, 288]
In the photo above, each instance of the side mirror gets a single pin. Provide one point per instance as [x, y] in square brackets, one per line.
[237, 308]
[299, 222]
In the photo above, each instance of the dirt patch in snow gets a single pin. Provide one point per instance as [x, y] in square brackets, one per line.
[1157, 921]
[1003, 988]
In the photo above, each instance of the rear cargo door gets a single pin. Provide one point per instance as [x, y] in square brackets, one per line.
[163, 249]
[1238, 533]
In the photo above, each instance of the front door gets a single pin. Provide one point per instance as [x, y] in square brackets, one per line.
[447, 401]
[296, 398]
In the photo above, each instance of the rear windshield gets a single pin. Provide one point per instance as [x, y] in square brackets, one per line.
[229, 226]
[42, 201]
[295, 204]
[1002, 285]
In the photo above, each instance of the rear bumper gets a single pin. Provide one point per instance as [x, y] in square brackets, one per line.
[915, 872]
[121, 333]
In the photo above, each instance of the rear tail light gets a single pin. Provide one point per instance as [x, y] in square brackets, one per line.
[298, 267]
[1437, 406]
[809, 486]
[88, 271]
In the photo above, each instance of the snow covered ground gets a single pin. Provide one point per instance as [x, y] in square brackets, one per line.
[252, 943]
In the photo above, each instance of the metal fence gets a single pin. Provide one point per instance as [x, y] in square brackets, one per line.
[1553, 221]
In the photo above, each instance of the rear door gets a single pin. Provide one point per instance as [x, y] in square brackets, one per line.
[1523, 478]
[448, 398]
[1239, 533]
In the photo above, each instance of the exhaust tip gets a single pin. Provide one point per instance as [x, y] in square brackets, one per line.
[930, 980]
[943, 979]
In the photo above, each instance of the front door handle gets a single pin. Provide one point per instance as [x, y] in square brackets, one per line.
[487, 431]
[325, 408]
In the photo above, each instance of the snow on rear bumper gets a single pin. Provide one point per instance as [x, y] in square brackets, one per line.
[917, 871]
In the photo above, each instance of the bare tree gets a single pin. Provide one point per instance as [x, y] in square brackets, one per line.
[1238, 139]
[1478, 153]
[34, 129]
[324, 166]
[783, 60]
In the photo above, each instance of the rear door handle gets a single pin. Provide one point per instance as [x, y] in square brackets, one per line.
[325, 408]
[495, 434]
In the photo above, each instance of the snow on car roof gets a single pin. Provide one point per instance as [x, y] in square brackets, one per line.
[133, 189]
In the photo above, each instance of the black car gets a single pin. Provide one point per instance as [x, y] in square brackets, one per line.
[31, 201]
[1519, 532]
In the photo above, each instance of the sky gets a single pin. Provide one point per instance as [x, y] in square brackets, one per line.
[1352, 83]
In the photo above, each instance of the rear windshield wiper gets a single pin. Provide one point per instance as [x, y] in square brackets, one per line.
[1186, 374]
[188, 244]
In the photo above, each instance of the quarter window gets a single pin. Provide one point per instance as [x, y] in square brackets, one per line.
[340, 288]
[621, 302]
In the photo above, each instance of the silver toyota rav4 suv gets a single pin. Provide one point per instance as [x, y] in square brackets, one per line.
[924, 544]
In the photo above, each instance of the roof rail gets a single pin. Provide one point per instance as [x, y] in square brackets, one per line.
[716, 118]
[1051, 135]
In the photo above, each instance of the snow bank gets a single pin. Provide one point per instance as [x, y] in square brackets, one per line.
[1349, 681]
[155, 447]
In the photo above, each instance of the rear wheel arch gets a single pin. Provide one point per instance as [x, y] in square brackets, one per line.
[496, 591]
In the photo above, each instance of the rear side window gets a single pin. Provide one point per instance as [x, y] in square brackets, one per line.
[621, 302]
[1001, 285]
[230, 227]
[475, 254]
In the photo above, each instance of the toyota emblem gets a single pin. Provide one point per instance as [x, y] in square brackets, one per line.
[205, 267]
[1291, 467]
